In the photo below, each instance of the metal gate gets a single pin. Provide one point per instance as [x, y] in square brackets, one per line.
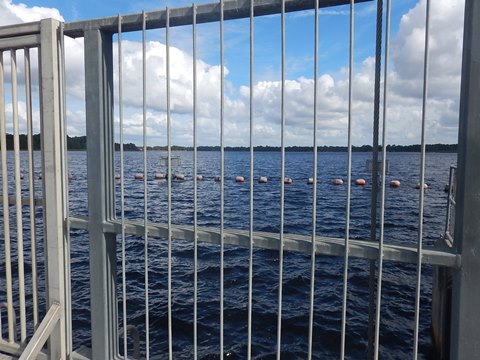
[40, 318]
[106, 222]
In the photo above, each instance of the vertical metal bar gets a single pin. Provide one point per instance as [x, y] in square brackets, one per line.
[31, 186]
[64, 165]
[6, 216]
[465, 341]
[250, 249]
[195, 194]
[382, 194]
[349, 181]
[314, 193]
[222, 171]
[145, 182]
[18, 199]
[101, 191]
[122, 187]
[422, 181]
[170, 175]
[282, 189]
[374, 194]
[54, 189]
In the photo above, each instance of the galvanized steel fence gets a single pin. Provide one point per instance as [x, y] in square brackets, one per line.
[104, 226]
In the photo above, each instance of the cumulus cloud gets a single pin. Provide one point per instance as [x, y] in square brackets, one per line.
[404, 86]
[181, 80]
[446, 33]
[11, 13]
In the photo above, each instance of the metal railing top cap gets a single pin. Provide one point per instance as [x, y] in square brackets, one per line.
[233, 9]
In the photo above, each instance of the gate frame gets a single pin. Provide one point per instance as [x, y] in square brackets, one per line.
[465, 320]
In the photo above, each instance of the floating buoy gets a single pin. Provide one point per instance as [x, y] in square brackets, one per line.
[138, 176]
[360, 182]
[117, 177]
[159, 176]
[263, 180]
[446, 188]
[40, 177]
[425, 186]
[310, 181]
[71, 177]
[288, 181]
[21, 176]
[217, 178]
[199, 177]
[180, 177]
[240, 179]
[394, 183]
[337, 182]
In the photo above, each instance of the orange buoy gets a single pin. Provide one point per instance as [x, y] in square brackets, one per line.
[360, 182]
[425, 186]
[159, 176]
[240, 179]
[218, 178]
[138, 176]
[263, 180]
[180, 177]
[310, 181]
[337, 182]
[199, 177]
[288, 181]
[117, 177]
[394, 183]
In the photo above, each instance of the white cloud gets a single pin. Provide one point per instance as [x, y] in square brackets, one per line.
[405, 87]
[405, 90]
[404, 101]
[181, 79]
[11, 13]
[446, 33]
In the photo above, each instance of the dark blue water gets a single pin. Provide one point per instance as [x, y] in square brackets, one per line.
[401, 225]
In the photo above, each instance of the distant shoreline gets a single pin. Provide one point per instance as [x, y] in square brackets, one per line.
[436, 148]
[80, 143]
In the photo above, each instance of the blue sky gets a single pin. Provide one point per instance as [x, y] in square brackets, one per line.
[405, 73]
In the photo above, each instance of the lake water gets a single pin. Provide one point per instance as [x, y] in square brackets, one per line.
[401, 225]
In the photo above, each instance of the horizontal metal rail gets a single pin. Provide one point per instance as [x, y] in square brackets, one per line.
[20, 42]
[363, 249]
[205, 13]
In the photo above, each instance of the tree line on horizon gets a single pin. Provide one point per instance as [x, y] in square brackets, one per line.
[73, 143]
[80, 143]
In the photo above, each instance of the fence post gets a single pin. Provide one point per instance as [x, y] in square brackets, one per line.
[465, 339]
[101, 195]
[54, 186]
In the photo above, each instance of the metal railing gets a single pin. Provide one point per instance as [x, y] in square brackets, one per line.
[103, 225]
[314, 244]
[44, 40]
